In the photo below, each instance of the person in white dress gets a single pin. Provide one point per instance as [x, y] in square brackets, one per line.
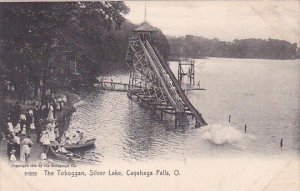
[42, 136]
[50, 130]
[17, 128]
[61, 150]
[63, 101]
[52, 134]
[17, 146]
[12, 156]
[26, 148]
[23, 124]
[64, 98]
[50, 116]
[44, 156]
[46, 141]
[10, 127]
[58, 104]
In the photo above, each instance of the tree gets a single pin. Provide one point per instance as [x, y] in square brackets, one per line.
[34, 35]
[198, 47]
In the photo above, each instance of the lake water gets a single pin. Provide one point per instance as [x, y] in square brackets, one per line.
[264, 94]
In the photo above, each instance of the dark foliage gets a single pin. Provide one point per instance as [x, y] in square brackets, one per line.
[47, 40]
[63, 42]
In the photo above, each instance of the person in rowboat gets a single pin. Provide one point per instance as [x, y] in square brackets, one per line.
[58, 148]
[82, 138]
[61, 150]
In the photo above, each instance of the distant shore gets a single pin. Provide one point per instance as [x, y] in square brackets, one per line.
[188, 58]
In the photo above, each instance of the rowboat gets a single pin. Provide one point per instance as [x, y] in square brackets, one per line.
[69, 156]
[86, 144]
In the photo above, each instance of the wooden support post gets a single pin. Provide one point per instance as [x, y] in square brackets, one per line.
[178, 117]
[130, 76]
[178, 74]
[197, 124]
[193, 72]
[190, 76]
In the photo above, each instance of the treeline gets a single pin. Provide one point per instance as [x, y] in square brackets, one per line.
[199, 47]
[46, 41]
[62, 42]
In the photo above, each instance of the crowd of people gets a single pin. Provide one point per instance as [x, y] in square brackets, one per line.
[39, 119]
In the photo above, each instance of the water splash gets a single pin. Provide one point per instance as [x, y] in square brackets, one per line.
[221, 134]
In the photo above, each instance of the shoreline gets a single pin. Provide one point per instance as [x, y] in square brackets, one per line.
[69, 109]
[37, 148]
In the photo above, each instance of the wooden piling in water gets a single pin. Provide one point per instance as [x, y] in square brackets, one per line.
[190, 73]
[176, 122]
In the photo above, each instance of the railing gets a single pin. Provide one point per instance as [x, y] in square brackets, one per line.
[179, 90]
[161, 77]
[166, 76]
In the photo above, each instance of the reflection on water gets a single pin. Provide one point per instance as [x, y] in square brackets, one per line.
[260, 93]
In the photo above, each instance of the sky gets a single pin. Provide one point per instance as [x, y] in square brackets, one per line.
[225, 20]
